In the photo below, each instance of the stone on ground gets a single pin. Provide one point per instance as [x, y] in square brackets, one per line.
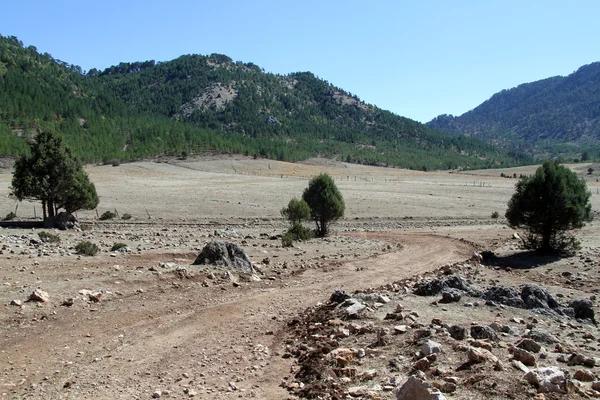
[583, 309]
[416, 389]
[547, 380]
[39, 295]
[431, 347]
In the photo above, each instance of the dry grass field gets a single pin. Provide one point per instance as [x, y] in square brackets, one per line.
[238, 187]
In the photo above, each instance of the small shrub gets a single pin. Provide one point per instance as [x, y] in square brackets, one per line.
[87, 248]
[10, 216]
[297, 232]
[296, 211]
[117, 246]
[107, 215]
[495, 215]
[126, 216]
[48, 237]
[300, 232]
[287, 240]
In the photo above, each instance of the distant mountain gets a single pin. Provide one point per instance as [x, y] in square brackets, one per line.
[552, 116]
[211, 103]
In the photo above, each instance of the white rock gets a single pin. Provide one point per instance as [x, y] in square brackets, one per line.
[547, 380]
[355, 308]
[383, 299]
[416, 389]
[39, 295]
[368, 374]
[431, 347]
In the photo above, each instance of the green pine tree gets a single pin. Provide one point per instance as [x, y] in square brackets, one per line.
[325, 201]
[548, 204]
[54, 176]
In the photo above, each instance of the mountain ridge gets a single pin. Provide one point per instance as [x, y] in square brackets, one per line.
[198, 103]
[560, 114]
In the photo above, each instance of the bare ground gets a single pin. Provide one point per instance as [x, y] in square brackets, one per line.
[187, 334]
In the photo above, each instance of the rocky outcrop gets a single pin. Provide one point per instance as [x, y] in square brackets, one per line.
[228, 256]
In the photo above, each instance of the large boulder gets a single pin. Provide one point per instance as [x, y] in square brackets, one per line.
[536, 297]
[458, 332]
[430, 347]
[504, 295]
[225, 255]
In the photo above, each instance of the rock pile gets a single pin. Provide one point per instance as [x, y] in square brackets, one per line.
[531, 297]
[340, 344]
[433, 287]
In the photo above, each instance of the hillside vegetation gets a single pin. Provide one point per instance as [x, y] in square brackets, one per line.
[559, 115]
[210, 103]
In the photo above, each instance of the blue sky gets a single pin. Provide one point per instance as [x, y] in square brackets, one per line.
[418, 59]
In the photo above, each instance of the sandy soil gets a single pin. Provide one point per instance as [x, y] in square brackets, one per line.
[193, 334]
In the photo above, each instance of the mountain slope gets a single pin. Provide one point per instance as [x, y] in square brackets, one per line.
[551, 115]
[197, 103]
[218, 94]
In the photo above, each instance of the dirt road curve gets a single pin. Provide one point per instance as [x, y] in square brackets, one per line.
[184, 339]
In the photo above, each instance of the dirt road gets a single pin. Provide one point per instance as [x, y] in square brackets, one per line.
[178, 337]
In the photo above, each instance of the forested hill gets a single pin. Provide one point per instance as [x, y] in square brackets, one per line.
[551, 116]
[211, 103]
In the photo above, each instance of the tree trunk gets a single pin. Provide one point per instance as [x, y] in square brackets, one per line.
[44, 210]
[323, 232]
[50, 208]
[546, 241]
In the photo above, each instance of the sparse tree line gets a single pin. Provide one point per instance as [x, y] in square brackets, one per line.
[548, 204]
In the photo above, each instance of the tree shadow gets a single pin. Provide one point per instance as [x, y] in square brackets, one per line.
[522, 260]
[21, 224]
